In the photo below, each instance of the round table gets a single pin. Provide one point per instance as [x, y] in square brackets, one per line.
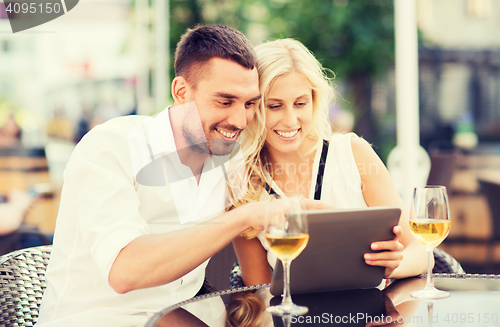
[474, 301]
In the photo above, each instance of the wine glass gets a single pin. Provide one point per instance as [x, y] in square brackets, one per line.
[430, 227]
[287, 236]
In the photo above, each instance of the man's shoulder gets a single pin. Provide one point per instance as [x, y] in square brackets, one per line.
[120, 125]
[110, 135]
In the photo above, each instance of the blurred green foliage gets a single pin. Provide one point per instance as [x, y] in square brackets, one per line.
[348, 37]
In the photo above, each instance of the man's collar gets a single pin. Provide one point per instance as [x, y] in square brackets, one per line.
[161, 137]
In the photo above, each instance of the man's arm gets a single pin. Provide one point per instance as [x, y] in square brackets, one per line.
[153, 260]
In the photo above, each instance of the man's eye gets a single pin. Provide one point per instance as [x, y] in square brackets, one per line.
[249, 104]
[225, 103]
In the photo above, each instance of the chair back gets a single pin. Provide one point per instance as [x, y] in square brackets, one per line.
[22, 283]
[219, 268]
[491, 190]
[444, 263]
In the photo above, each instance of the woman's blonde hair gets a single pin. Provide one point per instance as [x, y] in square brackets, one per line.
[278, 58]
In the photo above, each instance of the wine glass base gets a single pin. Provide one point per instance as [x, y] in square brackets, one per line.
[284, 309]
[429, 294]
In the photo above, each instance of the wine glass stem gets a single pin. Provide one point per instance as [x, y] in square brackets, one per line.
[430, 306]
[287, 298]
[430, 280]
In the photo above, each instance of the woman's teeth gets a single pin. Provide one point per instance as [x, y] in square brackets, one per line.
[287, 134]
[227, 134]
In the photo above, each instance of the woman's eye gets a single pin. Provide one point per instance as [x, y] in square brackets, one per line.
[300, 104]
[274, 107]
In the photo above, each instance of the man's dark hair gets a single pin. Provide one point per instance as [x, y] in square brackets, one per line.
[202, 43]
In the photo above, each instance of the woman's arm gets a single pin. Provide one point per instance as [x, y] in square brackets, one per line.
[379, 190]
[252, 258]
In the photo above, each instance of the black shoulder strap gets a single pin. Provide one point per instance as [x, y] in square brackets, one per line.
[319, 179]
[321, 170]
[269, 189]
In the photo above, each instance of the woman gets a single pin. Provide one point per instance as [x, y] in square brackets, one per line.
[285, 149]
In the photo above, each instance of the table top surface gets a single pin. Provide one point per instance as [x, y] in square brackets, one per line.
[474, 301]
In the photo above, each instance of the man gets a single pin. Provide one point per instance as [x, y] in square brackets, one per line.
[125, 248]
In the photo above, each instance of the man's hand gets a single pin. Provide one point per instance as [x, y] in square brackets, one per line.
[391, 255]
[275, 210]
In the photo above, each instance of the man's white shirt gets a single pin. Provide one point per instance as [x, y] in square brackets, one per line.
[104, 207]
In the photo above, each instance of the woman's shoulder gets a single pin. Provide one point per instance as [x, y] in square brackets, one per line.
[352, 139]
[363, 151]
[348, 141]
[349, 145]
[342, 136]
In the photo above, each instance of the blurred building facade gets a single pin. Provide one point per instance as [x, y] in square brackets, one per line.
[460, 67]
[79, 64]
[460, 107]
[57, 80]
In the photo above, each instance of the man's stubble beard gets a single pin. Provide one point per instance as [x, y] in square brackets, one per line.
[204, 144]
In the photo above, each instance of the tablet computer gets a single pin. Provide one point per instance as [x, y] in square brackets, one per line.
[333, 258]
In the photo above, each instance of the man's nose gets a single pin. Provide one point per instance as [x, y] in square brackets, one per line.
[238, 117]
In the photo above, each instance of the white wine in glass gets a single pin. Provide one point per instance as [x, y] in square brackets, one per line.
[287, 247]
[287, 237]
[430, 227]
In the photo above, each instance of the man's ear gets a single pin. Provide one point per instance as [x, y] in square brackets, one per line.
[180, 89]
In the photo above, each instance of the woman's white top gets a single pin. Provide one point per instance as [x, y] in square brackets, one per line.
[342, 186]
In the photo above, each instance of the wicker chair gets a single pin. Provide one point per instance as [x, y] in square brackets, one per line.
[22, 283]
[444, 263]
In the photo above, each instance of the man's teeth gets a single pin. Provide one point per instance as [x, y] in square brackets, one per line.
[287, 134]
[227, 134]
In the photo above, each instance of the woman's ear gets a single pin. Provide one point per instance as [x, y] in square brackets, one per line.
[180, 90]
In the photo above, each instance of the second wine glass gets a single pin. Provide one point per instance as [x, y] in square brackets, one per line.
[430, 227]
[287, 236]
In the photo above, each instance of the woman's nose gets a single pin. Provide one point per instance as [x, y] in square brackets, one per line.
[290, 118]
